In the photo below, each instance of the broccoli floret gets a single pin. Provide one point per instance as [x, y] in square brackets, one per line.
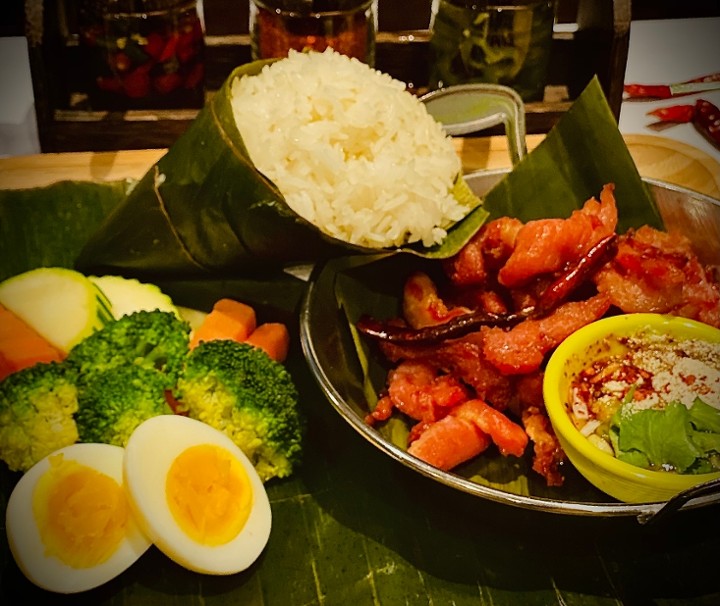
[109, 382]
[151, 339]
[240, 390]
[37, 405]
[112, 403]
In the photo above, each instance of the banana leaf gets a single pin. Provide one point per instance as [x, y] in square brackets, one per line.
[581, 153]
[39, 226]
[204, 209]
[352, 526]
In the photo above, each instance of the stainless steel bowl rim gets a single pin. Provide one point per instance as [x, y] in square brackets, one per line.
[644, 512]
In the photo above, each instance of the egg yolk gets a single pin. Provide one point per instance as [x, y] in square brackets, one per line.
[209, 494]
[81, 514]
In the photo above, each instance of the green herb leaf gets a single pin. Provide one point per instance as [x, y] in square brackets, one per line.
[705, 441]
[705, 417]
[662, 436]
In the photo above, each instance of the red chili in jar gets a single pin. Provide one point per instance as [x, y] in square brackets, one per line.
[345, 26]
[154, 53]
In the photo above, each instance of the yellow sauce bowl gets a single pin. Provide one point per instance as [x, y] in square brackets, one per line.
[619, 479]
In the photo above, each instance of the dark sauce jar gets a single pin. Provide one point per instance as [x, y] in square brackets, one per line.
[347, 26]
[144, 54]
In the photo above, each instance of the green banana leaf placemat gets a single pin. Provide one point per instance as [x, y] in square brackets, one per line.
[351, 526]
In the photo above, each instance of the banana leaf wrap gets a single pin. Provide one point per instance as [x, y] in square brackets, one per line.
[204, 209]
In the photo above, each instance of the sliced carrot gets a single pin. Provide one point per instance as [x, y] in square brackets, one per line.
[448, 442]
[273, 338]
[21, 345]
[228, 319]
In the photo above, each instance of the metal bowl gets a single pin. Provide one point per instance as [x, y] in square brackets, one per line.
[327, 345]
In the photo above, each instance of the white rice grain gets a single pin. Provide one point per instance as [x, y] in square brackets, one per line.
[350, 149]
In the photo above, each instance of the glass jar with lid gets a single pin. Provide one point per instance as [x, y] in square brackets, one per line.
[144, 54]
[504, 42]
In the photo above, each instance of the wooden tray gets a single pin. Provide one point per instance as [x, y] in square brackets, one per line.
[675, 162]
[655, 157]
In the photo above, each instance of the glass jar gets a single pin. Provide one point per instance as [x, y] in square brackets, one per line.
[347, 26]
[144, 54]
[496, 42]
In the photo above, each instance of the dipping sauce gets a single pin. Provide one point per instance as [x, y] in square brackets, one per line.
[653, 401]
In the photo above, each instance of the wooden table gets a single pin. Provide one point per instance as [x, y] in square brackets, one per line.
[655, 157]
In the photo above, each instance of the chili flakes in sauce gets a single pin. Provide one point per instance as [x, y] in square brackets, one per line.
[653, 371]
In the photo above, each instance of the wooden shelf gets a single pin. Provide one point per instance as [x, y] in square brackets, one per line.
[596, 42]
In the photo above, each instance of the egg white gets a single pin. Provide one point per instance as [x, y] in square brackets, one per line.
[149, 454]
[26, 545]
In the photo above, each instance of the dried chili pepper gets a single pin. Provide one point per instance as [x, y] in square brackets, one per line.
[569, 281]
[459, 326]
[704, 116]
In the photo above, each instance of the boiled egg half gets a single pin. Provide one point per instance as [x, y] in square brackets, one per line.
[69, 524]
[196, 495]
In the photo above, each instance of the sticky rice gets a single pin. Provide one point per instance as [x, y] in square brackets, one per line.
[350, 149]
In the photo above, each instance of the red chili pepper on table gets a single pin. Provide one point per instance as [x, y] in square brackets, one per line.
[704, 116]
[656, 91]
[674, 113]
[666, 91]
